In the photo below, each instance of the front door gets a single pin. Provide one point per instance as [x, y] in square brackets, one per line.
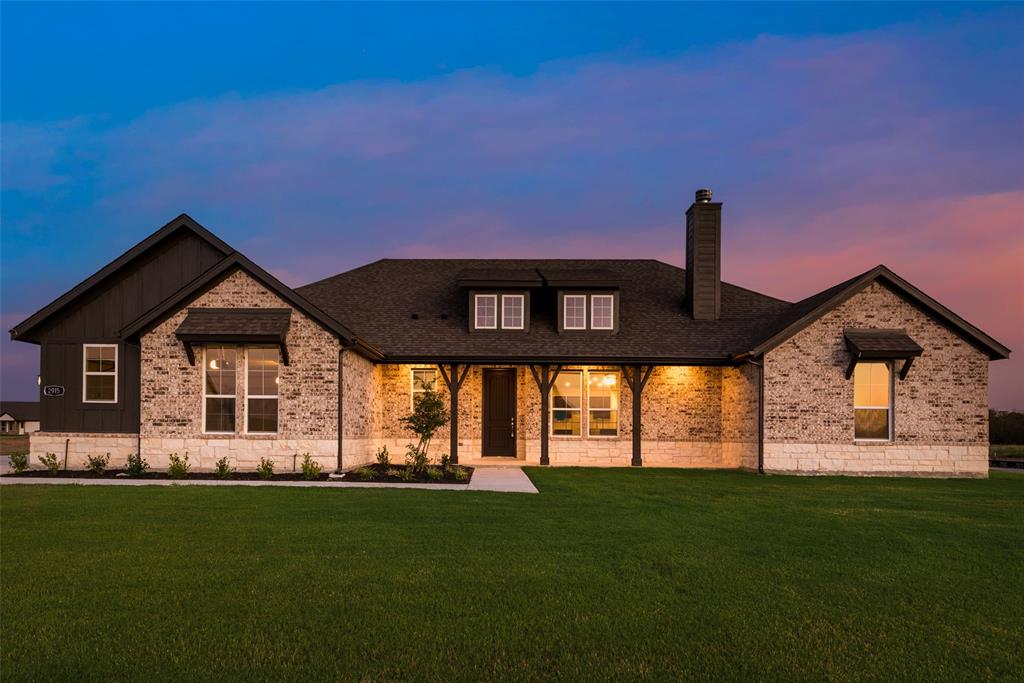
[499, 412]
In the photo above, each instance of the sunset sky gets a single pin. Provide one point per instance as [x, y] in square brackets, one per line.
[316, 138]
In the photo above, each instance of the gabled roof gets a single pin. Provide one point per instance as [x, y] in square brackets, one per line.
[22, 411]
[805, 312]
[182, 222]
[211, 277]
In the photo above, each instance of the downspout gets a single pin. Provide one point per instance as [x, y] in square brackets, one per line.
[760, 411]
[341, 404]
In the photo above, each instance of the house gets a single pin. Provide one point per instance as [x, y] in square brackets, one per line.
[19, 417]
[184, 344]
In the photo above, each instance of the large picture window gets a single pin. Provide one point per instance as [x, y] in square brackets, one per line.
[603, 404]
[566, 404]
[99, 382]
[872, 402]
[485, 311]
[262, 379]
[574, 312]
[421, 379]
[219, 367]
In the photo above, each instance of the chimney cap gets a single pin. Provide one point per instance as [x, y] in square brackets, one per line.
[702, 196]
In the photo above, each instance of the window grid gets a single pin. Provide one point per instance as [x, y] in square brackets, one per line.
[485, 311]
[512, 306]
[418, 378]
[603, 403]
[574, 312]
[261, 392]
[99, 373]
[872, 402]
[567, 403]
[602, 313]
[219, 389]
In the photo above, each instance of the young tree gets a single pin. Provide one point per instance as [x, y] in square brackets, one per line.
[429, 414]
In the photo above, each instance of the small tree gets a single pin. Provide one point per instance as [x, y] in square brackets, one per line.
[429, 414]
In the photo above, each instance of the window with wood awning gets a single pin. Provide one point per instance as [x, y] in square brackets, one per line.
[244, 326]
[881, 345]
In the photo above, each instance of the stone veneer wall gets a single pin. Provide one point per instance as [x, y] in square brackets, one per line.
[80, 446]
[740, 415]
[361, 406]
[172, 391]
[940, 410]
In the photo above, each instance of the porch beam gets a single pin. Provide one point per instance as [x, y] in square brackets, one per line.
[545, 379]
[453, 379]
[636, 377]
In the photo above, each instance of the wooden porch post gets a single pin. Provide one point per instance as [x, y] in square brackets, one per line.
[454, 382]
[636, 383]
[545, 380]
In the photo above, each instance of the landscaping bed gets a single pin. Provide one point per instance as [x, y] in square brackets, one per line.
[404, 474]
[210, 476]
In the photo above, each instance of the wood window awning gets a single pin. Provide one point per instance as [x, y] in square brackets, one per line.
[203, 326]
[881, 344]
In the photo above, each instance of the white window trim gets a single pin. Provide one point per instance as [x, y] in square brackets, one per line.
[522, 311]
[86, 372]
[233, 396]
[412, 384]
[580, 410]
[618, 418]
[611, 324]
[565, 311]
[476, 317]
[276, 397]
[889, 408]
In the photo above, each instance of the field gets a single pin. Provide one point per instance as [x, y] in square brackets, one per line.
[13, 443]
[607, 574]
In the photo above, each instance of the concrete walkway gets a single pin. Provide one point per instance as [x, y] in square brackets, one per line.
[501, 479]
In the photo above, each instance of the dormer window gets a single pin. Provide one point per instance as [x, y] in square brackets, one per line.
[574, 312]
[602, 312]
[579, 311]
[486, 311]
[512, 311]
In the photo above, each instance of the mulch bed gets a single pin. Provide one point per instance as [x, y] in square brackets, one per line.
[380, 474]
[118, 474]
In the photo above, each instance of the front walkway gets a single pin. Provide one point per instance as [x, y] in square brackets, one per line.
[501, 479]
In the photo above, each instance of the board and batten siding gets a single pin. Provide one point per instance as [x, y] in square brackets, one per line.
[97, 318]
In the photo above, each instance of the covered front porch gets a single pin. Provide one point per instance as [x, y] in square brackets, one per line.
[565, 414]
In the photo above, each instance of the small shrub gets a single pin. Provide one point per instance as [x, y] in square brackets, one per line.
[222, 469]
[136, 465]
[416, 459]
[383, 458]
[97, 464]
[51, 463]
[435, 473]
[178, 467]
[366, 474]
[265, 469]
[446, 462]
[461, 474]
[393, 472]
[19, 462]
[406, 474]
[311, 469]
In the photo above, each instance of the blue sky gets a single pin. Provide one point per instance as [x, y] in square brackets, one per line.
[318, 137]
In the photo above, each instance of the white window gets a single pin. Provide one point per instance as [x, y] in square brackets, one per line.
[422, 378]
[99, 381]
[566, 404]
[512, 311]
[219, 389]
[486, 311]
[574, 312]
[602, 313]
[872, 402]
[262, 379]
[603, 404]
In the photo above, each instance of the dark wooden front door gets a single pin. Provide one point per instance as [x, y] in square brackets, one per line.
[499, 412]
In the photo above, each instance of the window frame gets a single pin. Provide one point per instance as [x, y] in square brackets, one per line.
[412, 383]
[522, 311]
[476, 317]
[611, 322]
[891, 408]
[616, 409]
[580, 410]
[565, 311]
[233, 397]
[248, 396]
[86, 372]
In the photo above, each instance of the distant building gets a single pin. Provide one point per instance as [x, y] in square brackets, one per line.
[19, 417]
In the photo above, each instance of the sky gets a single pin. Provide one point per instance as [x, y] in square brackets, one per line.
[318, 137]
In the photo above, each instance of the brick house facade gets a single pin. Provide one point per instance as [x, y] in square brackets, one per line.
[184, 345]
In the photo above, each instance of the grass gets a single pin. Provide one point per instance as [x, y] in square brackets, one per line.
[1005, 451]
[608, 574]
[13, 443]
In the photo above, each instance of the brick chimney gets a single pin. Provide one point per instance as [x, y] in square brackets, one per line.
[704, 257]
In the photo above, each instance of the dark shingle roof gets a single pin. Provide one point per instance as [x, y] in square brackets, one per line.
[23, 411]
[881, 343]
[256, 322]
[379, 302]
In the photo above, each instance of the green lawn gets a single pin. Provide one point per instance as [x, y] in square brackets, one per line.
[1005, 451]
[613, 574]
